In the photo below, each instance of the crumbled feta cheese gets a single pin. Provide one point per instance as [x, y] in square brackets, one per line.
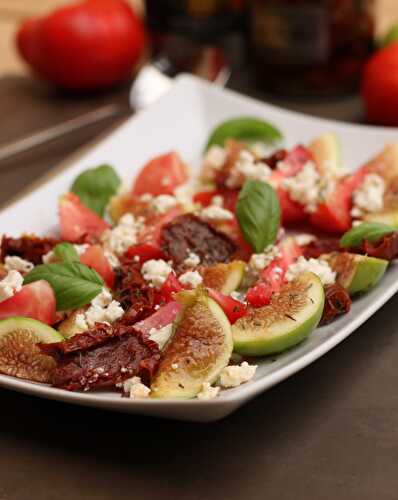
[184, 194]
[135, 388]
[304, 187]
[260, 149]
[163, 203]
[123, 235]
[156, 271]
[146, 197]
[161, 335]
[317, 266]
[217, 200]
[235, 375]
[10, 284]
[112, 259]
[259, 261]
[191, 278]
[215, 157]
[247, 168]
[102, 310]
[369, 196]
[14, 263]
[192, 260]
[213, 212]
[303, 239]
[208, 392]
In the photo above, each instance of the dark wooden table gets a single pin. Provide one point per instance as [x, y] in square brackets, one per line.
[330, 432]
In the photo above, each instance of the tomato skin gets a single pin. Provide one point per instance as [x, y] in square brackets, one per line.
[94, 257]
[230, 198]
[170, 286]
[379, 86]
[145, 251]
[77, 220]
[89, 45]
[233, 309]
[161, 175]
[36, 301]
[165, 315]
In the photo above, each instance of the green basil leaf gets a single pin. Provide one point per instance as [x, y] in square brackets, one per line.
[390, 37]
[74, 284]
[96, 186]
[244, 129]
[66, 252]
[258, 214]
[372, 231]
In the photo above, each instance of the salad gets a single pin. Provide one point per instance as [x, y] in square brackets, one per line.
[171, 286]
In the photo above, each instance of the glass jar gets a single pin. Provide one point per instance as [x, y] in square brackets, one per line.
[307, 47]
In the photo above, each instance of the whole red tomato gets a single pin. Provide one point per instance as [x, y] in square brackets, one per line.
[85, 46]
[380, 86]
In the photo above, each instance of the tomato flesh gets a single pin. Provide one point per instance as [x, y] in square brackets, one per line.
[94, 257]
[36, 301]
[145, 251]
[77, 220]
[161, 175]
[162, 317]
[170, 286]
[233, 309]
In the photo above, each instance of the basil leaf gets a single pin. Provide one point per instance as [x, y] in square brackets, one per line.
[372, 231]
[74, 284]
[96, 186]
[258, 214]
[244, 129]
[66, 252]
[390, 37]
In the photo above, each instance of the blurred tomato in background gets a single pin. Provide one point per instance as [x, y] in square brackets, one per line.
[90, 45]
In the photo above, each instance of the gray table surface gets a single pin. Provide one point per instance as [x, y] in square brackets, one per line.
[328, 433]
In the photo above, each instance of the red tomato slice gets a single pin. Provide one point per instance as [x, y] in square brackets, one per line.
[296, 159]
[153, 227]
[77, 220]
[36, 300]
[170, 286]
[334, 215]
[232, 308]
[162, 317]
[272, 277]
[291, 211]
[94, 257]
[145, 251]
[161, 175]
[230, 198]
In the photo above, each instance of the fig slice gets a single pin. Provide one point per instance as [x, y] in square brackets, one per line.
[289, 318]
[198, 350]
[224, 278]
[356, 273]
[19, 355]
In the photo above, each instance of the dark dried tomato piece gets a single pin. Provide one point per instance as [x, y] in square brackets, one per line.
[187, 233]
[337, 302]
[102, 357]
[29, 247]
[387, 248]
[319, 247]
[273, 160]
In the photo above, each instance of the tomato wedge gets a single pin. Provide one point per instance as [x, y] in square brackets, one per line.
[145, 251]
[77, 220]
[170, 286]
[36, 300]
[161, 175]
[162, 317]
[233, 309]
[94, 257]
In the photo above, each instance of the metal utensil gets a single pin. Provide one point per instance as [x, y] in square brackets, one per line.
[152, 81]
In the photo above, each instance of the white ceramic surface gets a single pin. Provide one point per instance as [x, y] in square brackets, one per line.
[182, 120]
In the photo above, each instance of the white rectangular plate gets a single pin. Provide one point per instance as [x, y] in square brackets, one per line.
[182, 120]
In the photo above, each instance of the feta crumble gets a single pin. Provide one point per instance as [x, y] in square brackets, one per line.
[217, 200]
[208, 392]
[303, 239]
[135, 388]
[192, 260]
[370, 195]
[118, 239]
[15, 263]
[191, 278]
[304, 187]
[214, 212]
[163, 203]
[161, 335]
[247, 168]
[156, 271]
[259, 261]
[317, 266]
[235, 375]
[184, 194]
[215, 157]
[10, 284]
[103, 309]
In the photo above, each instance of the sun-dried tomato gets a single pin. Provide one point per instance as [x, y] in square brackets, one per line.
[318, 247]
[387, 248]
[337, 302]
[29, 247]
[187, 233]
[273, 160]
[102, 357]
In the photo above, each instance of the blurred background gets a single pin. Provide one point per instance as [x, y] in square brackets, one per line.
[329, 58]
